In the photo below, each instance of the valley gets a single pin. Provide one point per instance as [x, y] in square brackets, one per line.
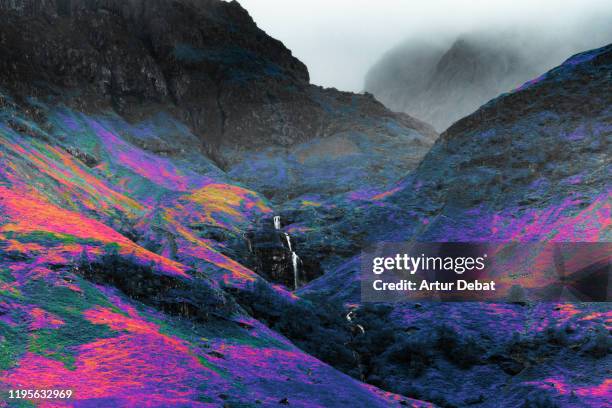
[182, 216]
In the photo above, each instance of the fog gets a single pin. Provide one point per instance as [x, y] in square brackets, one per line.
[339, 40]
[442, 80]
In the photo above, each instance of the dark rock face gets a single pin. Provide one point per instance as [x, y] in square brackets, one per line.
[176, 296]
[196, 54]
[206, 65]
[274, 256]
[35, 7]
[235, 86]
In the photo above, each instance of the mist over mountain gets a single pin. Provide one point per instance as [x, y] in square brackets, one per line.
[440, 81]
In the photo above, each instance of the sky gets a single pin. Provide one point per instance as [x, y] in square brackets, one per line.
[339, 40]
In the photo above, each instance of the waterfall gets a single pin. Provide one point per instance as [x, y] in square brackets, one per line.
[288, 238]
[247, 238]
[350, 316]
[295, 260]
[277, 224]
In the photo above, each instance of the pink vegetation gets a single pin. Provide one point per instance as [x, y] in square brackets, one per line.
[552, 223]
[42, 319]
[29, 215]
[74, 180]
[138, 367]
[597, 396]
[160, 171]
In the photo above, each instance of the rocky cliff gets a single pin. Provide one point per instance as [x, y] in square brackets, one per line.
[207, 62]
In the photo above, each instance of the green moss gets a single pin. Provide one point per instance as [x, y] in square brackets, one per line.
[65, 302]
[209, 365]
[12, 345]
[68, 305]
[45, 346]
[16, 403]
[49, 238]
[205, 398]
[10, 291]
[58, 344]
[6, 276]
[112, 248]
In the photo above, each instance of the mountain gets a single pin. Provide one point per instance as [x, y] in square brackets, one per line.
[441, 82]
[181, 217]
[532, 165]
[207, 64]
[141, 144]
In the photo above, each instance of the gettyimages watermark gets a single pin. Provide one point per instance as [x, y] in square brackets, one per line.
[495, 272]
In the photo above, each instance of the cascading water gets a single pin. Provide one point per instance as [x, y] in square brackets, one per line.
[273, 253]
[295, 260]
[288, 238]
[249, 243]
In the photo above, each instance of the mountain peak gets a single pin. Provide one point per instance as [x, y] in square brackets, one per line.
[444, 82]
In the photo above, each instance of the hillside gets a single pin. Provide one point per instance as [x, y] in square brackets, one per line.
[124, 212]
[532, 165]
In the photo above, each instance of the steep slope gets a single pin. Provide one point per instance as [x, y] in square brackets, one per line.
[126, 129]
[530, 165]
[228, 100]
[241, 92]
[523, 166]
[107, 287]
[442, 82]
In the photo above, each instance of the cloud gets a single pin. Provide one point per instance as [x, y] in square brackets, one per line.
[339, 40]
